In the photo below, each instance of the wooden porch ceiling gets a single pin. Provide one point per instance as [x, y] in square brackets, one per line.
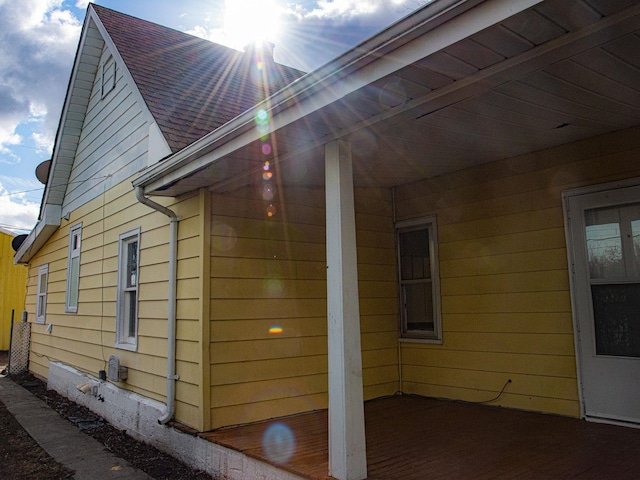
[418, 438]
[553, 74]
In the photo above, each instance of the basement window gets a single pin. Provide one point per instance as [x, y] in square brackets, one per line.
[127, 308]
[419, 280]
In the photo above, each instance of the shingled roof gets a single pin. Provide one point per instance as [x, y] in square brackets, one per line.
[192, 86]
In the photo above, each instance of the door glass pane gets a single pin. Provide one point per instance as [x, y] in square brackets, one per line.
[635, 235]
[613, 241]
[605, 251]
[616, 314]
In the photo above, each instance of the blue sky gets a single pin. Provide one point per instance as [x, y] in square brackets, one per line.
[38, 41]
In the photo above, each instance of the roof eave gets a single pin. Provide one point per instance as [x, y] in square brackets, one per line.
[49, 222]
[194, 157]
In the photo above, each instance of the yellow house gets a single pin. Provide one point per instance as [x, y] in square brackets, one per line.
[450, 209]
[13, 287]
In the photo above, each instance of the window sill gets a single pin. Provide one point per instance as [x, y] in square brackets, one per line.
[432, 341]
[127, 346]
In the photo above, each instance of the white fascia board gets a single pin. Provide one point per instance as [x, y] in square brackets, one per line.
[45, 228]
[454, 20]
[65, 111]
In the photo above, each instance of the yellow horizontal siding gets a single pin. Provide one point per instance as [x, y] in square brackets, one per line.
[273, 348]
[527, 322]
[267, 406]
[506, 310]
[541, 364]
[85, 339]
[272, 273]
[256, 370]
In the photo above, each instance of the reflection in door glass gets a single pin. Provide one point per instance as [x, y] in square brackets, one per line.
[613, 241]
[605, 250]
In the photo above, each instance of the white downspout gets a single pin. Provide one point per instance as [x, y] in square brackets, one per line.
[171, 309]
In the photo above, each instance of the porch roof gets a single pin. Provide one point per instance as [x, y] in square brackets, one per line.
[414, 438]
[455, 84]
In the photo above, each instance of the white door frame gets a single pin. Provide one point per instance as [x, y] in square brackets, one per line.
[566, 196]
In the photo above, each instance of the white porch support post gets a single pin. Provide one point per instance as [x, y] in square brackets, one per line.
[347, 448]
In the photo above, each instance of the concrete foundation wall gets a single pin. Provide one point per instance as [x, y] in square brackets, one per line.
[139, 417]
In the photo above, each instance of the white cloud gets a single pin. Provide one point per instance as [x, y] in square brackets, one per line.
[310, 33]
[38, 39]
[315, 32]
[17, 212]
[344, 8]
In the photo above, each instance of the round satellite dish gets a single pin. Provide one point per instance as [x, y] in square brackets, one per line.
[17, 242]
[42, 171]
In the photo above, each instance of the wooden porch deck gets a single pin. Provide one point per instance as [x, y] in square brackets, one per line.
[419, 438]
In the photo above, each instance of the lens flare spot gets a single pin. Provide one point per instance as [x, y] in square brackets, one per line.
[262, 117]
[278, 443]
[266, 149]
[268, 192]
[274, 287]
[267, 166]
[263, 130]
[275, 330]
[266, 176]
[271, 211]
[393, 94]
[224, 237]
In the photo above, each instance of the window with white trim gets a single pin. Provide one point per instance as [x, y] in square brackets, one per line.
[73, 268]
[127, 314]
[108, 76]
[41, 301]
[419, 280]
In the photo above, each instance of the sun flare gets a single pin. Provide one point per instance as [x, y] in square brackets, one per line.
[251, 21]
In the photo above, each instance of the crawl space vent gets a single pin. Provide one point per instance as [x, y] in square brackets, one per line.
[116, 372]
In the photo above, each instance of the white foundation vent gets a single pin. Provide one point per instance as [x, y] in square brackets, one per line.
[115, 371]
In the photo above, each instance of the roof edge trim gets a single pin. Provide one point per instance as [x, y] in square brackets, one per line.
[421, 22]
[43, 231]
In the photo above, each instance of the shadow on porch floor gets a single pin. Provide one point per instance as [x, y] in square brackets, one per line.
[417, 438]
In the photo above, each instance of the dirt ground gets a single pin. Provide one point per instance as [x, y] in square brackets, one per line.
[22, 458]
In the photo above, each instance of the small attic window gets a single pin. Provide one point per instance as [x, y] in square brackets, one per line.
[108, 76]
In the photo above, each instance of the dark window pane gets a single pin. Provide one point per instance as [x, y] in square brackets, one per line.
[131, 312]
[419, 307]
[414, 255]
[616, 313]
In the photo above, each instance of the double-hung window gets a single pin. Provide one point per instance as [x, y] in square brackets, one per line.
[41, 300]
[419, 280]
[73, 268]
[128, 263]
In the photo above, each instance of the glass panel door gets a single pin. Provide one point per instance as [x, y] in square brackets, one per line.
[613, 248]
[604, 251]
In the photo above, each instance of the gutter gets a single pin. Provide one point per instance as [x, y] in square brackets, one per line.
[171, 310]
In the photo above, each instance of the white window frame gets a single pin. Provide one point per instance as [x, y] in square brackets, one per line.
[108, 76]
[128, 281]
[73, 275]
[413, 335]
[41, 294]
